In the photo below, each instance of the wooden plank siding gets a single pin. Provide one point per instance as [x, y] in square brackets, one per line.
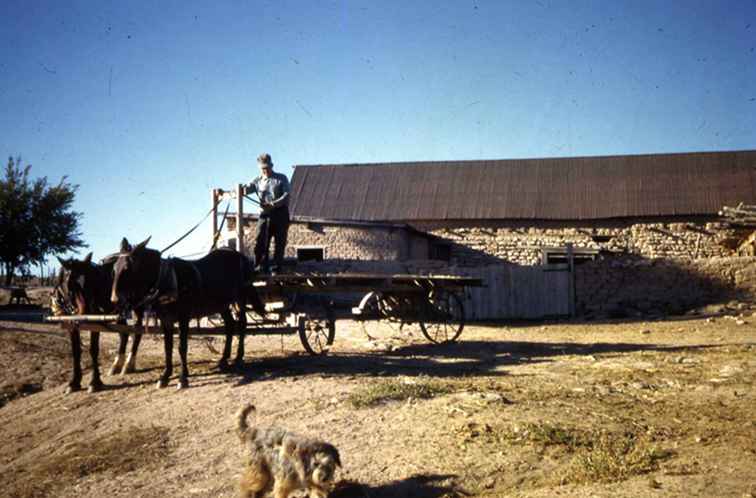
[518, 292]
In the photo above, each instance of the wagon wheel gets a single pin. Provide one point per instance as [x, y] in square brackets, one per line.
[376, 313]
[318, 332]
[443, 317]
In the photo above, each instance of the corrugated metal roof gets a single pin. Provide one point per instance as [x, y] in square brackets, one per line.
[575, 188]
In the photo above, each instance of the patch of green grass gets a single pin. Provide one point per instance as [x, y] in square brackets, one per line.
[395, 390]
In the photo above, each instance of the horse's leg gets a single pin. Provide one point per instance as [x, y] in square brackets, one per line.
[94, 351]
[183, 349]
[228, 324]
[123, 339]
[130, 365]
[241, 329]
[168, 345]
[75, 383]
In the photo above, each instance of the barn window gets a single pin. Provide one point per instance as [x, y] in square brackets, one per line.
[558, 255]
[310, 253]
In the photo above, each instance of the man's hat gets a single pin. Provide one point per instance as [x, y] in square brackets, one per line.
[265, 159]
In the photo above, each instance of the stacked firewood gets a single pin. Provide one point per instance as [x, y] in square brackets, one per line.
[744, 215]
[743, 220]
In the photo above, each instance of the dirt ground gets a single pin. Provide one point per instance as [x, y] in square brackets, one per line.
[37, 296]
[664, 408]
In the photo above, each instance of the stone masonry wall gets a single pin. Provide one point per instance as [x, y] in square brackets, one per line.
[643, 267]
[620, 288]
[343, 242]
[513, 242]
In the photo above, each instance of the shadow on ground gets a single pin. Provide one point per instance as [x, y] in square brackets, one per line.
[467, 358]
[464, 359]
[420, 486]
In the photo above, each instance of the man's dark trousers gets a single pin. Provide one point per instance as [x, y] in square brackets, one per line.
[273, 224]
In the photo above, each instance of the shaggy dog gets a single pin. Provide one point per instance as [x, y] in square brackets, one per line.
[280, 462]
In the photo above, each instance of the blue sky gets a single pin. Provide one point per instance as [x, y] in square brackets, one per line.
[147, 105]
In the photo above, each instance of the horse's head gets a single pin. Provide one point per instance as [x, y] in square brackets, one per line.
[75, 285]
[134, 272]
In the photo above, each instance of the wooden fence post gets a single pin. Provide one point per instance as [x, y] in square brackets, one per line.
[571, 289]
[214, 218]
[240, 218]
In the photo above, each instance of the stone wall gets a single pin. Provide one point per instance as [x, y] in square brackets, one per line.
[643, 267]
[350, 242]
[344, 242]
[523, 243]
[639, 287]
[493, 242]
[414, 266]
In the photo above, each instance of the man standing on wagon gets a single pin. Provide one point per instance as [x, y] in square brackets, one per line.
[273, 191]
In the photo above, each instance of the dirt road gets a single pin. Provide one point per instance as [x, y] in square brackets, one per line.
[662, 408]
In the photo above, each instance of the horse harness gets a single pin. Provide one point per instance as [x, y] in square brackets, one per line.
[169, 287]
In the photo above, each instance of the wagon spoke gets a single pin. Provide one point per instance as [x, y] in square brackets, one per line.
[319, 332]
[317, 339]
[445, 317]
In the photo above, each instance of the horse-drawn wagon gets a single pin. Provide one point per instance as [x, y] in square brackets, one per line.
[223, 286]
[295, 303]
[304, 304]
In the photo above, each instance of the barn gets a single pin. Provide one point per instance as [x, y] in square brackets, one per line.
[643, 231]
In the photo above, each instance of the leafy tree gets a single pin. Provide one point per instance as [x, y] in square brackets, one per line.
[36, 219]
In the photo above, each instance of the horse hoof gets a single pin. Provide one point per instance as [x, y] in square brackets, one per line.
[162, 383]
[93, 388]
[128, 370]
[183, 384]
[223, 366]
[113, 371]
[238, 364]
[72, 388]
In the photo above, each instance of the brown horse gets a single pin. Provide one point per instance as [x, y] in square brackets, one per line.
[83, 288]
[179, 290]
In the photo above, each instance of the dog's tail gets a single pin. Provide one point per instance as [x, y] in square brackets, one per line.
[241, 419]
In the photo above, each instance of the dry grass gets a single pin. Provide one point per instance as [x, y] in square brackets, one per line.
[593, 455]
[384, 391]
[115, 453]
[613, 457]
[547, 434]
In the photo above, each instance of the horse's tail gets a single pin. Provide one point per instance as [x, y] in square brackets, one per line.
[241, 419]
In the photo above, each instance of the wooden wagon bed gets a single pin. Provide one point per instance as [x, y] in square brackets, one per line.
[352, 282]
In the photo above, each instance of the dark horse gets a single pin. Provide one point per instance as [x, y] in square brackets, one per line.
[84, 288]
[179, 290]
